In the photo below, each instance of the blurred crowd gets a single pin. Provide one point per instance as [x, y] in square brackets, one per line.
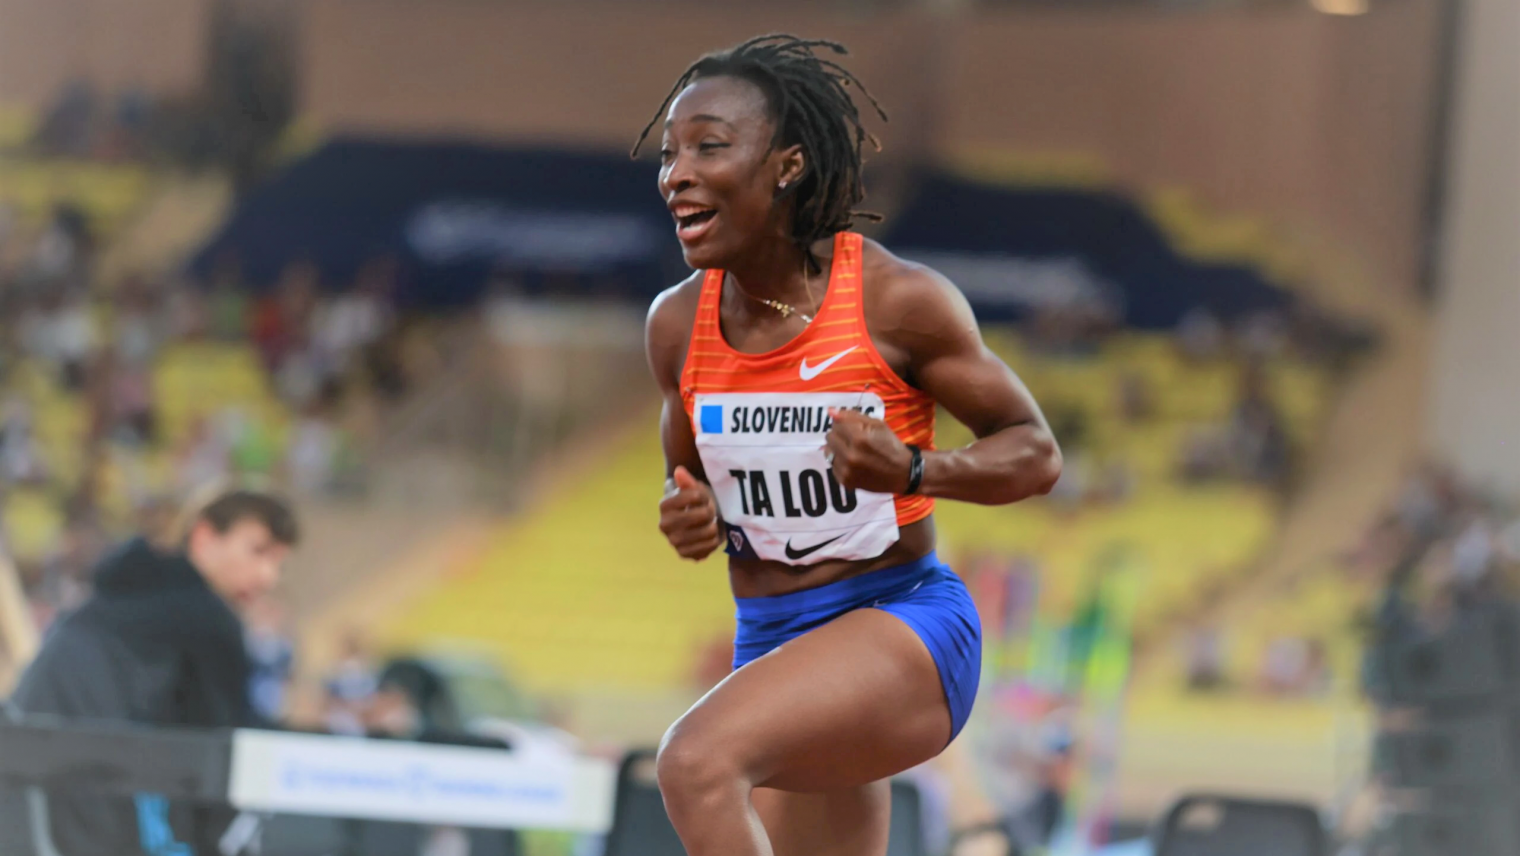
[73, 343]
[83, 123]
[1249, 443]
[1443, 546]
[233, 122]
[1291, 666]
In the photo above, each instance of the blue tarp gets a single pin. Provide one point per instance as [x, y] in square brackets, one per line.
[1075, 241]
[451, 212]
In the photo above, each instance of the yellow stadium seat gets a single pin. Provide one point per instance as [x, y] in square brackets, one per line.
[581, 590]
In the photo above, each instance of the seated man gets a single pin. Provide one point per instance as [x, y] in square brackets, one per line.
[160, 642]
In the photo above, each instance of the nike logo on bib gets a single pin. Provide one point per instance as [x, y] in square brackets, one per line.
[794, 553]
[809, 372]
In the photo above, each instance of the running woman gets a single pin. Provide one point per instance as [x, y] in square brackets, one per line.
[801, 366]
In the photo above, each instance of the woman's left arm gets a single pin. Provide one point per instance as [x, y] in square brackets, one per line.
[927, 321]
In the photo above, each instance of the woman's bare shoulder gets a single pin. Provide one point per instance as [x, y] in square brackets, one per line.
[667, 329]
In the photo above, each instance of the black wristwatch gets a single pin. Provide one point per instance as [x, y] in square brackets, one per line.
[915, 470]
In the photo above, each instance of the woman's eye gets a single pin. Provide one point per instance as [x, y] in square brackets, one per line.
[707, 147]
[667, 154]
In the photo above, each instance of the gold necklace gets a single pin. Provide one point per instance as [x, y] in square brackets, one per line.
[787, 310]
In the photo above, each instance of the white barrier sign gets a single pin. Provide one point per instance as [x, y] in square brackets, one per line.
[384, 780]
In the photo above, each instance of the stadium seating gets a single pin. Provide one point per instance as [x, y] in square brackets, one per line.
[193, 382]
[196, 381]
[106, 193]
[582, 592]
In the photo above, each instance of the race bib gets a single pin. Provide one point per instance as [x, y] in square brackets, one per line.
[763, 453]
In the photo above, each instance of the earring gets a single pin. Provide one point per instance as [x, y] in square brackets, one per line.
[781, 186]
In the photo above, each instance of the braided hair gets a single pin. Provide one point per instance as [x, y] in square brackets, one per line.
[810, 106]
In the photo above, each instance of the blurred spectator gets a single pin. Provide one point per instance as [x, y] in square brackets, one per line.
[1205, 455]
[1284, 665]
[281, 321]
[1296, 667]
[60, 333]
[396, 706]
[1316, 674]
[137, 337]
[187, 313]
[311, 453]
[1055, 773]
[1200, 335]
[1262, 336]
[228, 308]
[1474, 552]
[157, 519]
[1137, 402]
[137, 328]
[204, 456]
[349, 688]
[410, 702]
[271, 656]
[130, 124]
[350, 323]
[63, 582]
[160, 642]
[68, 127]
[1205, 659]
[1252, 445]
[256, 448]
[387, 363]
[1073, 329]
[20, 459]
[1424, 502]
[283, 330]
[1258, 437]
[502, 304]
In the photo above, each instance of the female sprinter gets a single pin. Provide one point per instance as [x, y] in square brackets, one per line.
[801, 366]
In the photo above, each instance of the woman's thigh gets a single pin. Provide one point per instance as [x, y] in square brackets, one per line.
[847, 704]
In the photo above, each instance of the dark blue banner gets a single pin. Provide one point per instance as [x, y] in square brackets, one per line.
[1014, 251]
[450, 214]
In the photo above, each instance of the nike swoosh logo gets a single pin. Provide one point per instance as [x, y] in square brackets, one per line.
[792, 553]
[809, 372]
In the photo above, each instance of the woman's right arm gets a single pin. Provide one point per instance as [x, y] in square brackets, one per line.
[688, 511]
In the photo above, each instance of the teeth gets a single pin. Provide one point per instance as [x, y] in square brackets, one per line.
[694, 217]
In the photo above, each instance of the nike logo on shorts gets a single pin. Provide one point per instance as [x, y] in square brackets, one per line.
[809, 372]
[794, 553]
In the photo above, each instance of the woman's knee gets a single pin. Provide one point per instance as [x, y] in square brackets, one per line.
[697, 764]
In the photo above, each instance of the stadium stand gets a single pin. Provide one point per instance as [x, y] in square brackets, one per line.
[645, 614]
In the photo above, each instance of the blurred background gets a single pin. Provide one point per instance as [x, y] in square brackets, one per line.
[1256, 258]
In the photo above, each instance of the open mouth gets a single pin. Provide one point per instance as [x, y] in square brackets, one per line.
[693, 221]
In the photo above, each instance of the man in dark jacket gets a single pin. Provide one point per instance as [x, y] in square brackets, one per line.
[160, 642]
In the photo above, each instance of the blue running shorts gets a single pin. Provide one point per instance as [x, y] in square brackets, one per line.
[924, 593]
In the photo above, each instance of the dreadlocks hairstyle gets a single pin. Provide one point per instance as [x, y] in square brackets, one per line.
[810, 105]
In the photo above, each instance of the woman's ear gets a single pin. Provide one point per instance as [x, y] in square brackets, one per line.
[793, 168]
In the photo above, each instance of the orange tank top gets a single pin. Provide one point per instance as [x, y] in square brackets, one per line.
[760, 422]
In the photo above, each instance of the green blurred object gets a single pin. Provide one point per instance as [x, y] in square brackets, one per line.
[257, 451]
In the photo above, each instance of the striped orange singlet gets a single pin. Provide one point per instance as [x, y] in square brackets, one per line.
[760, 422]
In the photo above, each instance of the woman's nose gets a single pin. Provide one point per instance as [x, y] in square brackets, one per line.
[677, 176]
